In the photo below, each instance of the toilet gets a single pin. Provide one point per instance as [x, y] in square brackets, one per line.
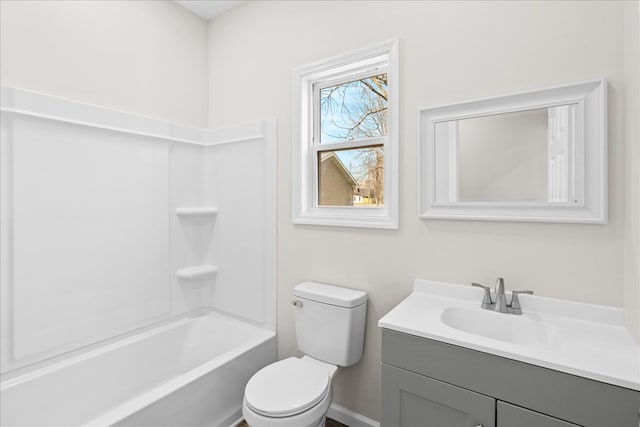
[296, 392]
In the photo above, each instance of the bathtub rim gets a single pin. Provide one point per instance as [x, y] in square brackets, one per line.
[43, 367]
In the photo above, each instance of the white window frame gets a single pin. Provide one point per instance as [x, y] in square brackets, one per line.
[307, 81]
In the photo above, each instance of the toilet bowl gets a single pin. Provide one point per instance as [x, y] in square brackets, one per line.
[296, 392]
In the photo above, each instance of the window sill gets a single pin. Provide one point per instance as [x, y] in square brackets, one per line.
[359, 221]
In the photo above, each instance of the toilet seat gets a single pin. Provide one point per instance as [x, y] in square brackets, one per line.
[287, 388]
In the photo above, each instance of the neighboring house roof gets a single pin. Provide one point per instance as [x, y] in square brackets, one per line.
[363, 191]
[331, 156]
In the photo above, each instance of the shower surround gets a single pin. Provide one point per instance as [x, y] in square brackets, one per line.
[117, 229]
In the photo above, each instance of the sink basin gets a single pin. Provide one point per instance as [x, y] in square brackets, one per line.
[514, 329]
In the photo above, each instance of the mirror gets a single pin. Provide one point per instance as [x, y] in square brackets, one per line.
[512, 157]
[533, 156]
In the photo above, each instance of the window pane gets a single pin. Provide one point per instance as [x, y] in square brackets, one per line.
[351, 177]
[354, 110]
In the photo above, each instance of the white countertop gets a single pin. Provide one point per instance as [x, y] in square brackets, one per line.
[587, 340]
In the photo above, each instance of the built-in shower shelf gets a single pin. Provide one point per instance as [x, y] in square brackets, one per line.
[197, 211]
[197, 272]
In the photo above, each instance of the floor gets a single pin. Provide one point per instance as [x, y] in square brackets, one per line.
[330, 423]
[334, 423]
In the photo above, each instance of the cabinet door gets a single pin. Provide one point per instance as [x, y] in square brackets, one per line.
[515, 416]
[413, 400]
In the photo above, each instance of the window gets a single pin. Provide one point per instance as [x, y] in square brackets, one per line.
[345, 141]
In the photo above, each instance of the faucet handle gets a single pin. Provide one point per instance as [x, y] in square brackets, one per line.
[486, 300]
[515, 302]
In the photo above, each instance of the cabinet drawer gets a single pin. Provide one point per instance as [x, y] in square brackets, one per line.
[564, 396]
[514, 416]
[412, 400]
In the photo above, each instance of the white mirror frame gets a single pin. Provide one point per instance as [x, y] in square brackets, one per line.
[591, 139]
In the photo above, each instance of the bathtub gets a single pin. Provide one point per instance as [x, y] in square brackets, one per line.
[191, 371]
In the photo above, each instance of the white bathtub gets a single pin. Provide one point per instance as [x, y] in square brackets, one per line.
[188, 372]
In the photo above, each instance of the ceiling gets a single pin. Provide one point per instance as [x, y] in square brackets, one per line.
[208, 8]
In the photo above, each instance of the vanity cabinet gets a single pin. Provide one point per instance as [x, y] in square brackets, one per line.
[431, 383]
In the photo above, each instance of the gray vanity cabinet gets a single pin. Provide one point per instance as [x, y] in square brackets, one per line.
[431, 383]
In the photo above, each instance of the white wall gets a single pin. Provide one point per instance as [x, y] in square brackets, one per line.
[632, 164]
[145, 57]
[450, 52]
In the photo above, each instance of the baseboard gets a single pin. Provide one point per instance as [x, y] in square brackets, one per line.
[350, 418]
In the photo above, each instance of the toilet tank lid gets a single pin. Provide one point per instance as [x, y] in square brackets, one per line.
[330, 294]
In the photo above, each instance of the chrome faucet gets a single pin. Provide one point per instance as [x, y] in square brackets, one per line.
[500, 305]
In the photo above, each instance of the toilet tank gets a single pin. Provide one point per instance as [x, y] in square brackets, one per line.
[330, 322]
